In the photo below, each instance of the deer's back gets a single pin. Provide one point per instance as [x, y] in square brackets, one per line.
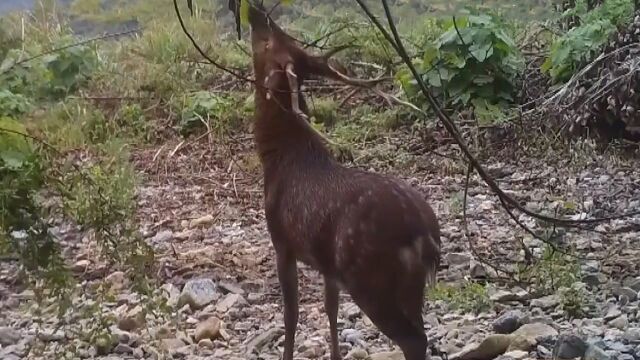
[340, 221]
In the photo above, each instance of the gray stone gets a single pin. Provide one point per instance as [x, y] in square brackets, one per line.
[570, 347]
[625, 291]
[491, 347]
[264, 338]
[612, 313]
[621, 322]
[625, 357]
[162, 237]
[387, 355]
[595, 353]
[594, 279]
[633, 283]
[199, 293]
[503, 296]
[517, 355]
[357, 354]
[230, 301]
[352, 336]
[9, 336]
[546, 302]
[123, 349]
[208, 329]
[529, 335]
[132, 319]
[456, 259]
[509, 322]
[172, 344]
[632, 335]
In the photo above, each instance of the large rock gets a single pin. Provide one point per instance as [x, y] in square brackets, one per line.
[9, 336]
[595, 353]
[632, 335]
[208, 329]
[491, 347]
[546, 302]
[620, 323]
[529, 335]
[199, 293]
[570, 347]
[456, 259]
[509, 322]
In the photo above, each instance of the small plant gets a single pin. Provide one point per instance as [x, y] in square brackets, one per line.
[468, 297]
[572, 300]
[552, 271]
[203, 109]
[324, 110]
[474, 61]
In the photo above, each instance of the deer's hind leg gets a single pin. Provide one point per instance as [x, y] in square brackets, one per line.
[397, 311]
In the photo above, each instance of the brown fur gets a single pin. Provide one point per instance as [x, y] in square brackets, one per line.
[369, 234]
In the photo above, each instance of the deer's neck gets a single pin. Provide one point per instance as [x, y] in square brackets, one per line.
[282, 140]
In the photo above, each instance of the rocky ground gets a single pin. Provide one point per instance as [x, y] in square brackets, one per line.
[201, 209]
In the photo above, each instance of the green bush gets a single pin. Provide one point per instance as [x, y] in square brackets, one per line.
[468, 297]
[13, 104]
[215, 112]
[579, 45]
[474, 61]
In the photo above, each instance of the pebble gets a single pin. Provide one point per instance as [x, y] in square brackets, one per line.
[202, 221]
[132, 319]
[205, 343]
[208, 329]
[229, 301]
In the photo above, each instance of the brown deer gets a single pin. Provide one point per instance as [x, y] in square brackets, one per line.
[368, 234]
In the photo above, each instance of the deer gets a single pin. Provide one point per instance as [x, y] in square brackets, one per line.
[369, 234]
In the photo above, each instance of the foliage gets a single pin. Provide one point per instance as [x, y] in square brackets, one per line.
[468, 297]
[23, 228]
[474, 61]
[13, 104]
[212, 111]
[552, 271]
[579, 45]
[51, 76]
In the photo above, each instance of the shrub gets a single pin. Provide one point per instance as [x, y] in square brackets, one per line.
[474, 61]
[468, 297]
[579, 45]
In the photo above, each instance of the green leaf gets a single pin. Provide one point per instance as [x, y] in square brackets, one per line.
[481, 51]
[12, 159]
